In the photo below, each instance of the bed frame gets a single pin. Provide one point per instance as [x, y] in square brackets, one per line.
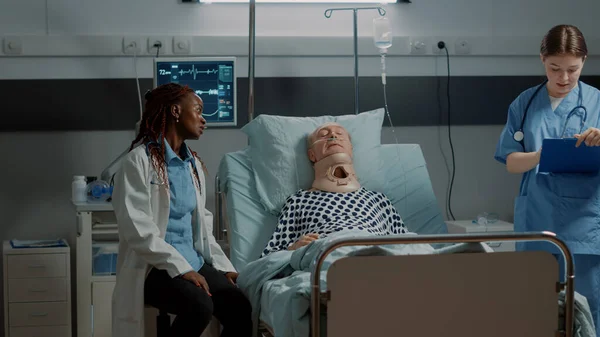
[491, 294]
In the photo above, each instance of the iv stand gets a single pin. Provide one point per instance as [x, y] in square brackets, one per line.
[328, 14]
[251, 59]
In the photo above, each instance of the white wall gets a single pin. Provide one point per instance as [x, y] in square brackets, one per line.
[424, 17]
[47, 161]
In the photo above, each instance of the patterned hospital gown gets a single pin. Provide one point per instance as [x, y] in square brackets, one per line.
[324, 212]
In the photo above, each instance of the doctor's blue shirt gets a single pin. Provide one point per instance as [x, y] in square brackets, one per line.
[183, 203]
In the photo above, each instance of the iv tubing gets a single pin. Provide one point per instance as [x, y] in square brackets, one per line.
[383, 52]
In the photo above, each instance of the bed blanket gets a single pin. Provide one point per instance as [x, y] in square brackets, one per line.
[293, 270]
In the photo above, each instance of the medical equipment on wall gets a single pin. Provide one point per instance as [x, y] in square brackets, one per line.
[519, 135]
[328, 14]
[213, 79]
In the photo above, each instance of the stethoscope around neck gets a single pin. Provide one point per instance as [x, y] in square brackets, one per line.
[519, 135]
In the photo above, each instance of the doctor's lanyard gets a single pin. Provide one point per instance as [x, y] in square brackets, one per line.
[519, 135]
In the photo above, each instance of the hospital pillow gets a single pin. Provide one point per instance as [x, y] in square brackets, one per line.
[279, 152]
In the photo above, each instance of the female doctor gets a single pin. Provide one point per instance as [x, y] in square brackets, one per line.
[566, 204]
[168, 257]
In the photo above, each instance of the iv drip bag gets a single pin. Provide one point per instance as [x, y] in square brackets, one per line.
[382, 32]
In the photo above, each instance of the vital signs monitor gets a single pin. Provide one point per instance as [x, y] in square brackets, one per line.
[212, 78]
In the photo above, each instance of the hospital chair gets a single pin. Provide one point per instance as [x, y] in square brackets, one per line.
[159, 326]
[475, 294]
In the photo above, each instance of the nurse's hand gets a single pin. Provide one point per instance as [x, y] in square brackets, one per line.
[591, 137]
[196, 279]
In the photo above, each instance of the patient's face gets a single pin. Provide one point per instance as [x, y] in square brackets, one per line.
[329, 139]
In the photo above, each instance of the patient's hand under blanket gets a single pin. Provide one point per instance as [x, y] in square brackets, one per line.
[323, 213]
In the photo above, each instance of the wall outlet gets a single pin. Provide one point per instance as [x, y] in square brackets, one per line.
[161, 41]
[435, 48]
[418, 46]
[462, 47]
[12, 46]
[182, 45]
[132, 45]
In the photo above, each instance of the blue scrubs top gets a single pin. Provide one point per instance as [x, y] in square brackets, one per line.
[183, 203]
[566, 204]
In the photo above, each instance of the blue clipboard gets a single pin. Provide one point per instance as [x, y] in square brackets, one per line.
[561, 156]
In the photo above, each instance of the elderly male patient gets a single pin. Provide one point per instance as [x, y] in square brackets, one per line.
[336, 202]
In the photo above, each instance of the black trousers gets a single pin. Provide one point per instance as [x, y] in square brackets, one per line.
[194, 308]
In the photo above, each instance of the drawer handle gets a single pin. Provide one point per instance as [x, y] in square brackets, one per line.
[494, 244]
[36, 266]
[38, 290]
[39, 314]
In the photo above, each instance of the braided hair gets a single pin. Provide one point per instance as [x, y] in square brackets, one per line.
[154, 125]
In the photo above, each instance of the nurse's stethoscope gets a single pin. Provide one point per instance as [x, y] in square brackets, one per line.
[519, 135]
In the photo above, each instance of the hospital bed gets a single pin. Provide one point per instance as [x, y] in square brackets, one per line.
[473, 294]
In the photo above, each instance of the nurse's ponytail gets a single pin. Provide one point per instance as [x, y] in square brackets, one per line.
[564, 40]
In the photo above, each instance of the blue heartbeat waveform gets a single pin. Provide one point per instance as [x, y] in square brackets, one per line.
[211, 114]
[209, 91]
[195, 72]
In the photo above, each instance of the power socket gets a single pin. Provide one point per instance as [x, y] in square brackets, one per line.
[462, 47]
[435, 48]
[132, 45]
[160, 41]
[12, 46]
[418, 46]
[182, 45]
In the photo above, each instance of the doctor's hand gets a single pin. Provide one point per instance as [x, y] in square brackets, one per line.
[232, 277]
[591, 137]
[196, 279]
[303, 241]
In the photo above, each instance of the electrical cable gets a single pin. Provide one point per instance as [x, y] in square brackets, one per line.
[441, 45]
[137, 81]
[441, 112]
[157, 45]
[47, 18]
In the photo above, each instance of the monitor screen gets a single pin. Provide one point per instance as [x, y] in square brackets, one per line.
[213, 79]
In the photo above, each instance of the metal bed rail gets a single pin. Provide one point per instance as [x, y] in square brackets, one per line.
[219, 229]
[316, 294]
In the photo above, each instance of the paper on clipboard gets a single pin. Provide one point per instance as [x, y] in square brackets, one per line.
[561, 156]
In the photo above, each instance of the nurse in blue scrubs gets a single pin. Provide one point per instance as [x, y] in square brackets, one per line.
[566, 204]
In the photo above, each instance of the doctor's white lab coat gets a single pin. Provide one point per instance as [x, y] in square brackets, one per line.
[141, 203]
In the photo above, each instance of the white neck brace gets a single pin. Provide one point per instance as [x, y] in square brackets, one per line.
[325, 179]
